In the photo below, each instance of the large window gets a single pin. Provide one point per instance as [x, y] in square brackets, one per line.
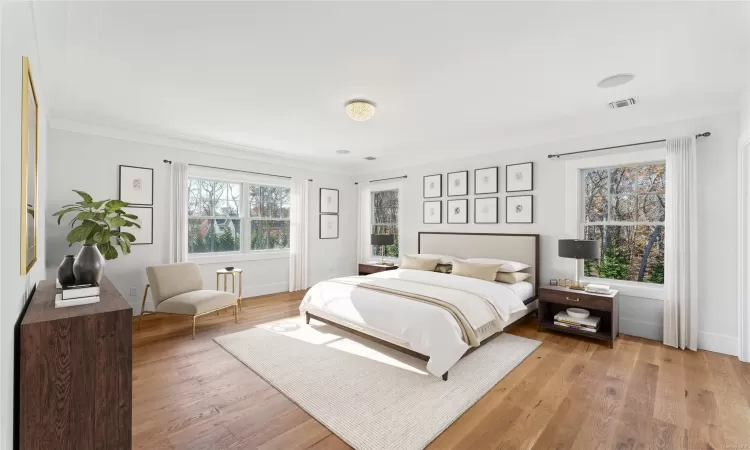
[623, 207]
[385, 220]
[221, 220]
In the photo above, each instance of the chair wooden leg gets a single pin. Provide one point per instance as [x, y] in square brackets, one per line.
[193, 327]
[307, 318]
[235, 314]
[143, 306]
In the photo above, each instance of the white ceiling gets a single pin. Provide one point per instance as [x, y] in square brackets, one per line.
[449, 79]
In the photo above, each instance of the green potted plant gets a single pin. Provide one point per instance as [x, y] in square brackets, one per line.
[98, 226]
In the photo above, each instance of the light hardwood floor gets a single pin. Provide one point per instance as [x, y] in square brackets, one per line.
[570, 393]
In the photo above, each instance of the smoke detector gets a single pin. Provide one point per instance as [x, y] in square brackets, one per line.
[370, 158]
[617, 104]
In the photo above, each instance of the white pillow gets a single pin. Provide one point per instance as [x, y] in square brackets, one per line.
[444, 259]
[505, 266]
[485, 272]
[511, 277]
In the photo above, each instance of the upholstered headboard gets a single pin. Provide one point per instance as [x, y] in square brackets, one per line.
[512, 247]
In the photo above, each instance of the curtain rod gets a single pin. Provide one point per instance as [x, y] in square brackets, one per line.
[386, 179]
[706, 134]
[235, 170]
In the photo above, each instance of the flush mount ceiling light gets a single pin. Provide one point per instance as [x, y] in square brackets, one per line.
[615, 80]
[360, 110]
[343, 152]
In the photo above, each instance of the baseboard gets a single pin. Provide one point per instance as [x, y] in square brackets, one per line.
[638, 328]
[719, 343]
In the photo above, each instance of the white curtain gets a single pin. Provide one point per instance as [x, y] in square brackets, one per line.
[681, 245]
[363, 223]
[178, 213]
[298, 243]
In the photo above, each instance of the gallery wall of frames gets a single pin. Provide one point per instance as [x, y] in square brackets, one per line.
[484, 183]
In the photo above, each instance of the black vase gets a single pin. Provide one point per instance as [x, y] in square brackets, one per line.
[89, 265]
[65, 271]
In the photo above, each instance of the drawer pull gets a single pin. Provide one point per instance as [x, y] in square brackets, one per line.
[572, 299]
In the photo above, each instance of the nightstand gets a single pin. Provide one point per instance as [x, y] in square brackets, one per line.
[553, 299]
[368, 268]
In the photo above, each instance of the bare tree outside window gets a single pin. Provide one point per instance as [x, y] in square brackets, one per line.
[385, 220]
[214, 219]
[269, 217]
[624, 208]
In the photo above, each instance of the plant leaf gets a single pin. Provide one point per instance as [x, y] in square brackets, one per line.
[85, 196]
[79, 233]
[115, 205]
[124, 245]
[61, 213]
[131, 224]
[97, 205]
[101, 235]
[85, 215]
[127, 236]
[107, 250]
[115, 222]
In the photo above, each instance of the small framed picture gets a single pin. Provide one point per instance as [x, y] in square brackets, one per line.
[432, 186]
[519, 177]
[553, 282]
[329, 201]
[519, 209]
[458, 211]
[485, 210]
[486, 181]
[458, 183]
[137, 185]
[432, 212]
[329, 226]
[145, 234]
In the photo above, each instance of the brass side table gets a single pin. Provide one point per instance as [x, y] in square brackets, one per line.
[226, 273]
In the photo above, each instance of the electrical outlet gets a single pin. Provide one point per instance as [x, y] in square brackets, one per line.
[133, 292]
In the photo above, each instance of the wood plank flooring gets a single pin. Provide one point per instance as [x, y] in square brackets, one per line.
[569, 394]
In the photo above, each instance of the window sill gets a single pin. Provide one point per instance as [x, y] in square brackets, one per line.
[220, 258]
[632, 288]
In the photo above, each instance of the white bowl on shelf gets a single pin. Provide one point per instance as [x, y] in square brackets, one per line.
[578, 313]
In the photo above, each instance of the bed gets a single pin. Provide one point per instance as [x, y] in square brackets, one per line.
[439, 319]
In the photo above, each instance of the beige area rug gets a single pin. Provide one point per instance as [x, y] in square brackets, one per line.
[371, 396]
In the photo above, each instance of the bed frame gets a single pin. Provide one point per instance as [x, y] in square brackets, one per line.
[480, 245]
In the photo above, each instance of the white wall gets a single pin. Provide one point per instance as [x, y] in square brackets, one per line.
[17, 40]
[90, 163]
[641, 315]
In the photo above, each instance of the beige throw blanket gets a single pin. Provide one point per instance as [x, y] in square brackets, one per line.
[476, 316]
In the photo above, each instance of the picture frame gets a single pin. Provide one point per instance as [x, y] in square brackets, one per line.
[487, 180]
[328, 226]
[486, 210]
[519, 177]
[519, 209]
[458, 183]
[328, 201]
[136, 185]
[432, 186]
[145, 234]
[458, 211]
[432, 212]
[29, 169]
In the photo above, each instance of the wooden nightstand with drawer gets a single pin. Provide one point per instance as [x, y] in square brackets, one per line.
[553, 299]
[368, 268]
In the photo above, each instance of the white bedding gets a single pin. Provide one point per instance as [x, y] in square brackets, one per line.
[523, 289]
[428, 329]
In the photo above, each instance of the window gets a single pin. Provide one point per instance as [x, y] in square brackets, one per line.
[220, 220]
[623, 207]
[385, 220]
[269, 217]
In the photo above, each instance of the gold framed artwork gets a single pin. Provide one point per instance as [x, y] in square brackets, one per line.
[29, 170]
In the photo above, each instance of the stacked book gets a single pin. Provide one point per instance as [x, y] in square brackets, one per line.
[590, 323]
[76, 294]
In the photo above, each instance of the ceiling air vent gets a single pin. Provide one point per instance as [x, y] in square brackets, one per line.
[623, 103]
[370, 158]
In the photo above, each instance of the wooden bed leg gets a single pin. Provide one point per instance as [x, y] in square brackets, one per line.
[445, 376]
[307, 318]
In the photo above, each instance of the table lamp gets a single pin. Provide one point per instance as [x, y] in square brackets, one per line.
[382, 240]
[578, 249]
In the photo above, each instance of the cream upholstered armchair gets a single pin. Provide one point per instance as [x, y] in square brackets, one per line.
[178, 289]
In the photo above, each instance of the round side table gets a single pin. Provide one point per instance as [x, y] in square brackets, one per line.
[225, 273]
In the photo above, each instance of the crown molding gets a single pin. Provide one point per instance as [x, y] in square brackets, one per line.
[194, 144]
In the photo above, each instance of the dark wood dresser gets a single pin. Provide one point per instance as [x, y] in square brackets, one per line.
[368, 268]
[75, 373]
